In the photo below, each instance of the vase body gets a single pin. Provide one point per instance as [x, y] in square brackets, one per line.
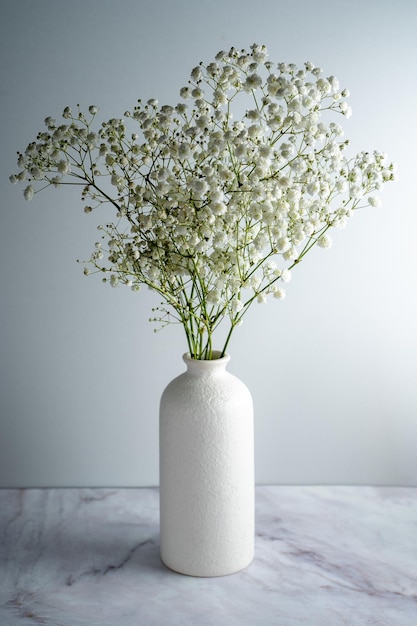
[206, 471]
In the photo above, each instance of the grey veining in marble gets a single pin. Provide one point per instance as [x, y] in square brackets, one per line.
[325, 556]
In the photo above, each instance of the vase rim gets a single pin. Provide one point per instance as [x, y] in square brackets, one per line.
[216, 358]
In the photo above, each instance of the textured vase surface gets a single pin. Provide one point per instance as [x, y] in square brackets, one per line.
[206, 471]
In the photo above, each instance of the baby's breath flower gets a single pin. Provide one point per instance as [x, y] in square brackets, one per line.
[213, 212]
[278, 293]
[56, 181]
[36, 173]
[50, 123]
[374, 201]
[236, 305]
[29, 192]
[345, 109]
[253, 81]
[324, 241]
[63, 167]
[185, 92]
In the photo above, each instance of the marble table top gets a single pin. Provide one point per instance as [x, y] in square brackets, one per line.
[325, 556]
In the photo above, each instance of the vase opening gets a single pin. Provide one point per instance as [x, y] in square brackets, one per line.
[215, 364]
[216, 355]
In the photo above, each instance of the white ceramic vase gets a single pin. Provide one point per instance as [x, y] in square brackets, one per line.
[206, 471]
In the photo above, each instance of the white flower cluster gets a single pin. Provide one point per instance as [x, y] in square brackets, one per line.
[214, 211]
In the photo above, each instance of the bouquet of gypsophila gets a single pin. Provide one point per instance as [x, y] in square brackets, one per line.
[212, 211]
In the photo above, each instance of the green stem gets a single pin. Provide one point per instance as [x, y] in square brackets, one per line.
[229, 336]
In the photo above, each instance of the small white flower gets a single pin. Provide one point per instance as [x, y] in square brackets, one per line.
[218, 208]
[214, 296]
[374, 201]
[50, 122]
[63, 167]
[29, 192]
[117, 180]
[36, 173]
[341, 186]
[213, 69]
[278, 293]
[290, 254]
[92, 140]
[287, 150]
[324, 241]
[185, 92]
[56, 181]
[313, 188]
[199, 186]
[184, 151]
[196, 93]
[253, 81]
[196, 73]
[283, 244]
[236, 305]
[345, 109]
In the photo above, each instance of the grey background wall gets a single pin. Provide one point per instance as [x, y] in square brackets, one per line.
[332, 369]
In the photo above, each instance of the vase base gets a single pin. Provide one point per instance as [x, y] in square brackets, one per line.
[207, 572]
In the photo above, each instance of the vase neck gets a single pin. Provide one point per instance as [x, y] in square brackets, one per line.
[216, 365]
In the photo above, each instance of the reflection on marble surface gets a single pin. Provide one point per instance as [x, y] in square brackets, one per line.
[325, 556]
